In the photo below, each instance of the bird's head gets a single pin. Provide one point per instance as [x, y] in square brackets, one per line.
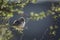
[19, 24]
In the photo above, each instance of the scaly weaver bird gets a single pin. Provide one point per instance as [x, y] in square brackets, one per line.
[19, 24]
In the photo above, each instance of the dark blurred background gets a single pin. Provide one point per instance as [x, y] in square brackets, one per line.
[47, 27]
[38, 30]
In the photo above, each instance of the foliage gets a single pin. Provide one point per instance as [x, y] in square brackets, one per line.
[5, 33]
[7, 9]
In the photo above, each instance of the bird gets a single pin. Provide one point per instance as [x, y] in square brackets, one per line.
[19, 24]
